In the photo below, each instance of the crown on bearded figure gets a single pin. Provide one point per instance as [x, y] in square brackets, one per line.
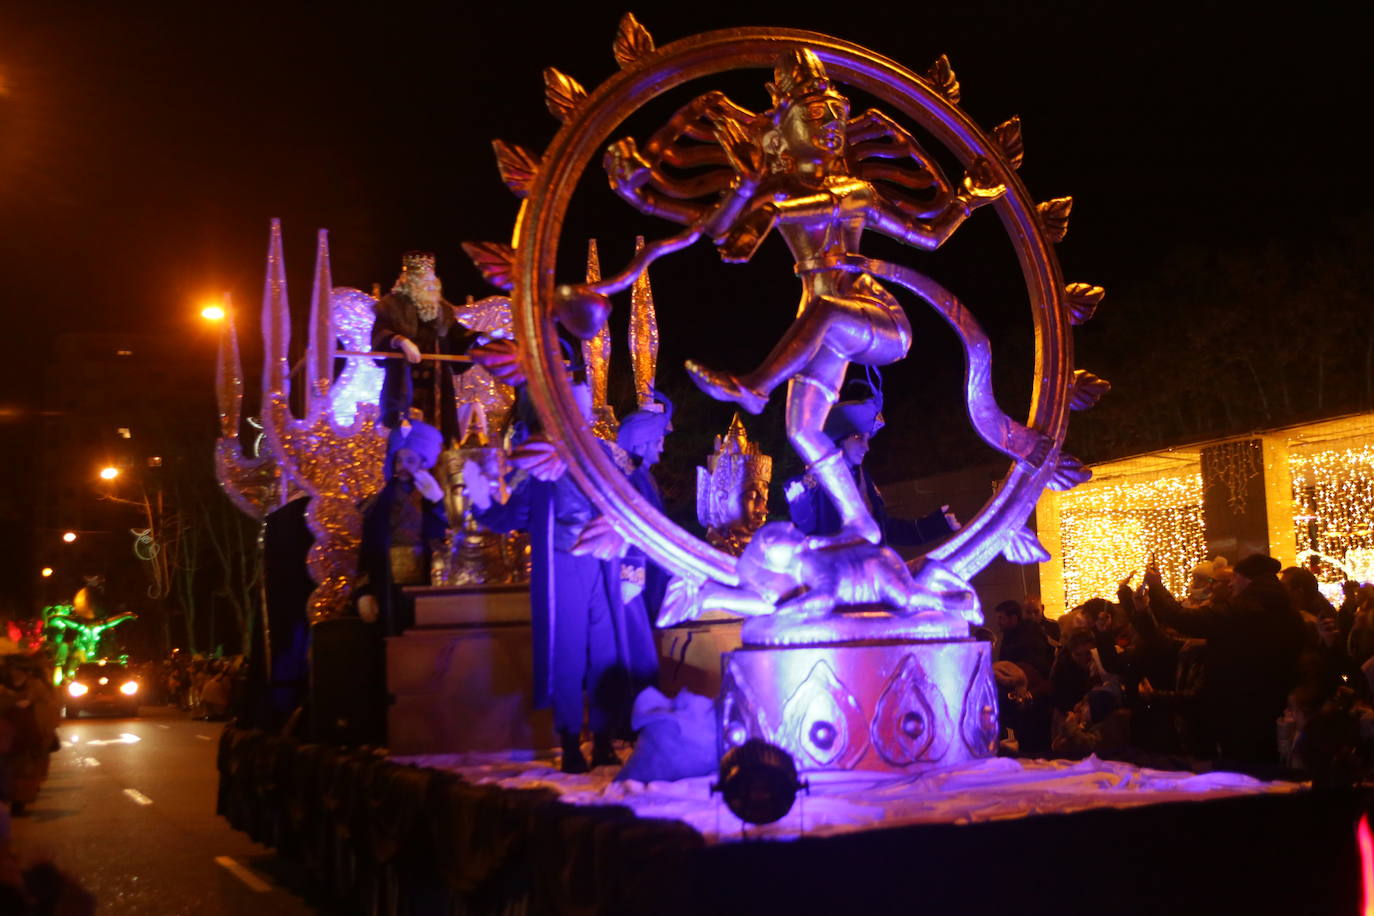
[731, 470]
[418, 261]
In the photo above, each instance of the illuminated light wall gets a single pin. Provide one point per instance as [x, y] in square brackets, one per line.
[1319, 498]
[1333, 506]
[1107, 530]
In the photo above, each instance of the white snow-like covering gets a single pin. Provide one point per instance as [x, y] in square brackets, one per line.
[842, 802]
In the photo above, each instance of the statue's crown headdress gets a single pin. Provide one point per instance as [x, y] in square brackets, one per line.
[735, 464]
[798, 73]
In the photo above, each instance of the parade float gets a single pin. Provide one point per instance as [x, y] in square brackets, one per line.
[844, 672]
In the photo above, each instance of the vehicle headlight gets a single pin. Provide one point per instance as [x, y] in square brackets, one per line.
[77, 689]
[129, 688]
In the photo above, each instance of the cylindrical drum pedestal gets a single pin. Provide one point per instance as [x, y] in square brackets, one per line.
[887, 706]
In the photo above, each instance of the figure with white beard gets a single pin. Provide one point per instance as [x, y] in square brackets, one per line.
[415, 320]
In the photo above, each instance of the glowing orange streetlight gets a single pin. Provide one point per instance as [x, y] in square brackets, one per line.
[212, 312]
[109, 473]
[46, 572]
[69, 536]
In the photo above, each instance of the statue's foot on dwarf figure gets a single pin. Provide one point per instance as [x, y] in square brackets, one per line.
[722, 386]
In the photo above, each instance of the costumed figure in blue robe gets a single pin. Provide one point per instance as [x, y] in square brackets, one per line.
[641, 436]
[850, 425]
[587, 642]
[415, 320]
[402, 526]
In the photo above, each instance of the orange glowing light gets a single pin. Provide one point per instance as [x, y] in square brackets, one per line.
[109, 473]
[46, 572]
[69, 536]
[212, 313]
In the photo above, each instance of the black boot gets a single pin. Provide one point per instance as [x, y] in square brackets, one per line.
[573, 761]
[603, 751]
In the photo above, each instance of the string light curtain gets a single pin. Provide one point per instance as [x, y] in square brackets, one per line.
[1333, 503]
[1111, 529]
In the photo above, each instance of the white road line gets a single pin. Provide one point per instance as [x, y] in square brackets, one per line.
[244, 874]
[164, 726]
[205, 737]
[90, 761]
[138, 796]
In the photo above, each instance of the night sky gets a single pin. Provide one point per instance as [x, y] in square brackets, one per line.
[144, 147]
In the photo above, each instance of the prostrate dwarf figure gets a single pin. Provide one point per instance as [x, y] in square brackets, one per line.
[851, 425]
[592, 652]
[416, 320]
[732, 490]
[796, 588]
[403, 525]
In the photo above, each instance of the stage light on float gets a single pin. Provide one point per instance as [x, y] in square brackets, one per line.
[77, 689]
[129, 688]
[758, 781]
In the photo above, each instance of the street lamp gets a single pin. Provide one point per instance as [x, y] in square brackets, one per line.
[46, 573]
[69, 536]
[212, 312]
[109, 473]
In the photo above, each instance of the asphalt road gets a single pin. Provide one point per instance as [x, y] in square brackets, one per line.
[129, 811]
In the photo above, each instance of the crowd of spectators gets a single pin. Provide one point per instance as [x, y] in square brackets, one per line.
[1252, 670]
[206, 688]
[29, 710]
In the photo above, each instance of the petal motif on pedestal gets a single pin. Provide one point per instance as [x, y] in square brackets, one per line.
[822, 722]
[978, 724]
[905, 728]
[741, 716]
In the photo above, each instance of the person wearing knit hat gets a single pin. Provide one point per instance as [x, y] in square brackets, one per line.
[402, 527]
[851, 425]
[641, 435]
[1254, 636]
[592, 649]
[1209, 578]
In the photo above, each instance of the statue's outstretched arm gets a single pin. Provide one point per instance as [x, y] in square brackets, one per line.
[630, 175]
[715, 124]
[875, 140]
[979, 188]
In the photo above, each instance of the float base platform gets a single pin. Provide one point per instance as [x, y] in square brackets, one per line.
[504, 835]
